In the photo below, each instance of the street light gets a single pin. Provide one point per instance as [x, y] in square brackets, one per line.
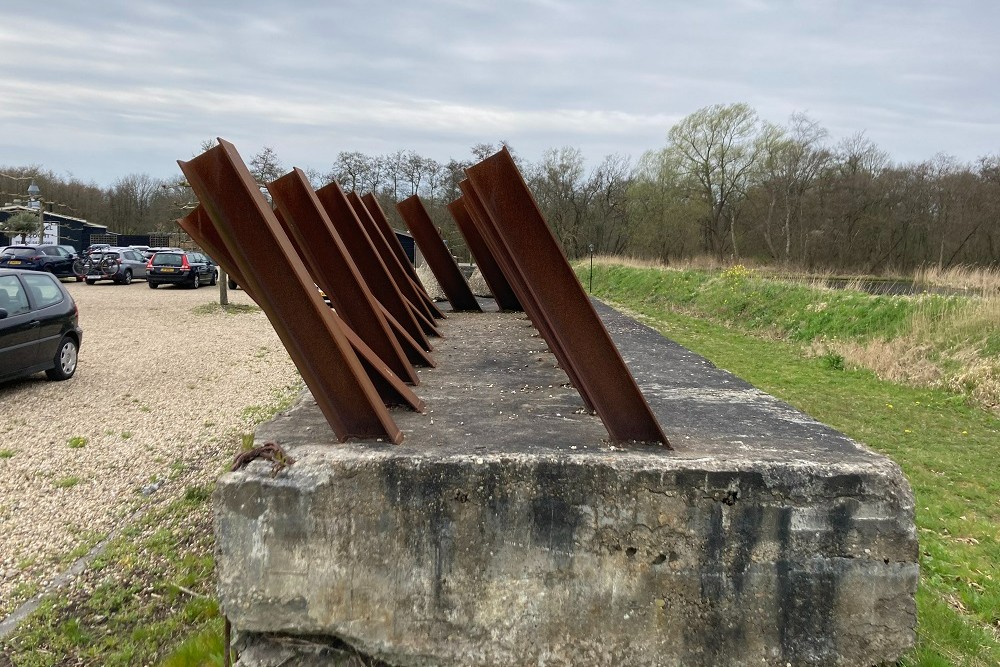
[591, 247]
[34, 192]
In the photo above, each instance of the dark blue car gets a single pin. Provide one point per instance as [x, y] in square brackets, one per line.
[39, 326]
[55, 259]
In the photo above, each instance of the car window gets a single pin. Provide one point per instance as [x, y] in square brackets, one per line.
[51, 250]
[21, 252]
[12, 296]
[44, 289]
[167, 259]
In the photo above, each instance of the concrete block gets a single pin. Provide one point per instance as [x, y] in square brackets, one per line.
[506, 530]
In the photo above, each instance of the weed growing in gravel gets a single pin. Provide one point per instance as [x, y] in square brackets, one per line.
[66, 482]
[77, 442]
[197, 494]
[228, 309]
[125, 435]
[7, 453]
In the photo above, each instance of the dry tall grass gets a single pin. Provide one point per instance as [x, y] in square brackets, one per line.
[950, 350]
[985, 281]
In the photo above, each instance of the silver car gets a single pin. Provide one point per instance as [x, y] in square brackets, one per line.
[121, 265]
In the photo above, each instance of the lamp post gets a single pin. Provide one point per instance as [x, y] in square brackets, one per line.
[34, 192]
[591, 268]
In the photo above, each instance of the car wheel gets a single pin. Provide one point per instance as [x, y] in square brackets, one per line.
[196, 281]
[232, 284]
[90, 281]
[79, 279]
[127, 278]
[65, 360]
[214, 278]
[152, 285]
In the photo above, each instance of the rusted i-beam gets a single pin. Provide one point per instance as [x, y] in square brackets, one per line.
[555, 290]
[438, 257]
[382, 224]
[411, 291]
[390, 388]
[492, 274]
[334, 270]
[283, 288]
[361, 247]
[488, 229]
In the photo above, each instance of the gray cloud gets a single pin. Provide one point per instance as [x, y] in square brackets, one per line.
[102, 90]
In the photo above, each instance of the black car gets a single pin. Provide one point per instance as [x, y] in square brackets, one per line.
[181, 267]
[55, 259]
[39, 326]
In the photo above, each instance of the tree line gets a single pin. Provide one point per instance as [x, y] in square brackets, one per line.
[726, 183]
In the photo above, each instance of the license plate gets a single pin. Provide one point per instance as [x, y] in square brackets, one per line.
[14, 261]
[167, 270]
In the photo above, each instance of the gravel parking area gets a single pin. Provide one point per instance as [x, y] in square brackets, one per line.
[164, 388]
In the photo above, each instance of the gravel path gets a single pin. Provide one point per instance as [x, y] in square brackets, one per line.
[161, 395]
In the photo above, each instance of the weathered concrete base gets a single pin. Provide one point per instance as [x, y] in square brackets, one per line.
[506, 531]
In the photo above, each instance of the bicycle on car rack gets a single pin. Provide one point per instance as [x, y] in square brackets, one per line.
[105, 265]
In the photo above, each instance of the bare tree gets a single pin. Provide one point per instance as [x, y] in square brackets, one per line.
[718, 147]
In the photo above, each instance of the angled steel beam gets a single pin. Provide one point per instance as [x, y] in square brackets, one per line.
[413, 293]
[199, 227]
[487, 228]
[286, 293]
[438, 257]
[382, 222]
[332, 267]
[487, 263]
[361, 247]
[553, 286]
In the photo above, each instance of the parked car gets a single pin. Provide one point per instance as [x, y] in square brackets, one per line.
[54, 259]
[181, 267]
[152, 251]
[118, 264]
[39, 326]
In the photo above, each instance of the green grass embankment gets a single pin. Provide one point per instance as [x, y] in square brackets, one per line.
[948, 447]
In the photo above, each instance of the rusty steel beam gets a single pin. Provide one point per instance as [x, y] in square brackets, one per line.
[501, 290]
[487, 228]
[408, 330]
[382, 222]
[554, 288]
[332, 267]
[307, 327]
[438, 257]
[391, 389]
[413, 293]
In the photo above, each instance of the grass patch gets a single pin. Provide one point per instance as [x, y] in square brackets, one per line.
[940, 441]
[7, 453]
[77, 442]
[66, 482]
[154, 583]
[928, 340]
[229, 309]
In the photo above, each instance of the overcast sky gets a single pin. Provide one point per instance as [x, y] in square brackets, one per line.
[98, 90]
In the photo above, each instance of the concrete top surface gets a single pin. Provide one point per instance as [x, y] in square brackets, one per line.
[497, 392]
